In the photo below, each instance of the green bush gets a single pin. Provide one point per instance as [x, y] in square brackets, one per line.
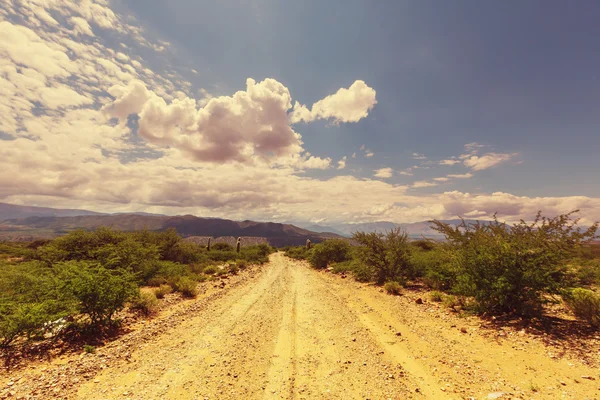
[392, 287]
[298, 252]
[436, 296]
[147, 303]
[329, 251]
[161, 291]
[585, 304]
[388, 256]
[233, 269]
[221, 247]
[210, 270]
[187, 287]
[99, 292]
[435, 266]
[512, 268]
[89, 349]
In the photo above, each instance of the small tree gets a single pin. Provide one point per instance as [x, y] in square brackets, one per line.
[507, 268]
[99, 292]
[330, 251]
[388, 255]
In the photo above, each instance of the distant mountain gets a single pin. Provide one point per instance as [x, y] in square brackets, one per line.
[9, 211]
[319, 228]
[414, 229]
[186, 225]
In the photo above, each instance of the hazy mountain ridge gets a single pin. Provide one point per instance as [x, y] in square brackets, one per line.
[11, 211]
[30, 227]
[28, 222]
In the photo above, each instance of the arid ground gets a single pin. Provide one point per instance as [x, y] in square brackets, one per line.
[286, 331]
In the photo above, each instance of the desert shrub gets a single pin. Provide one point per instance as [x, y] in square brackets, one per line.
[344, 266]
[585, 304]
[329, 251]
[89, 349]
[388, 256]
[363, 273]
[512, 268]
[587, 272]
[233, 269]
[210, 270]
[241, 264]
[423, 244]
[187, 287]
[186, 253]
[161, 291]
[435, 266]
[220, 246]
[256, 254]
[147, 303]
[26, 319]
[392, 287]
[451, 301]
[30, 296]
[436, 296]
[169, 271]
[99, 292]
[298, 252]
[222, 256]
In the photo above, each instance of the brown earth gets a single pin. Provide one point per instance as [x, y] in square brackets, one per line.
[290, 332]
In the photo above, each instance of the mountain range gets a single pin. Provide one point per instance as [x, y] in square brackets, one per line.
[25, 223]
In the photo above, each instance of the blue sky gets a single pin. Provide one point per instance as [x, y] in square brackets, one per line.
[519, 76]
[507, 92]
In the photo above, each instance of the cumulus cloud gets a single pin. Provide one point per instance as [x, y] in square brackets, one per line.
[228, 128]
[346, 105]
[369, 153]
[383, 173]
[342, 163]
[417, 156]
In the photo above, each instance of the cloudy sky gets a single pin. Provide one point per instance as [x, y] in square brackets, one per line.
[320, 111]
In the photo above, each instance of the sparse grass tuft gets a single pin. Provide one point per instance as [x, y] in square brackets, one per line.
[161, 291]
[393, 288]
[436, 296]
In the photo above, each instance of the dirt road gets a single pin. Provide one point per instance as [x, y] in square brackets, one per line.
[295, 333]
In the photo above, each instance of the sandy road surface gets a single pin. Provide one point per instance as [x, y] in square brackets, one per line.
[294, 333]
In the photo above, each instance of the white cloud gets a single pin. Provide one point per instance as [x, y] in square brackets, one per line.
[342, 163]
[461, 176]
[423, 184]
[383, 173]
[248, 124]
[418, 156]
[488, 160]
[81, 26]
[449, 162]
[346, 105]
[353, 155]
[369, 153]
[406, 172]
[441, 179]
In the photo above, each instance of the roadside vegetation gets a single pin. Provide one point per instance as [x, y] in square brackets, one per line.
[79, 282]
[488, 268]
